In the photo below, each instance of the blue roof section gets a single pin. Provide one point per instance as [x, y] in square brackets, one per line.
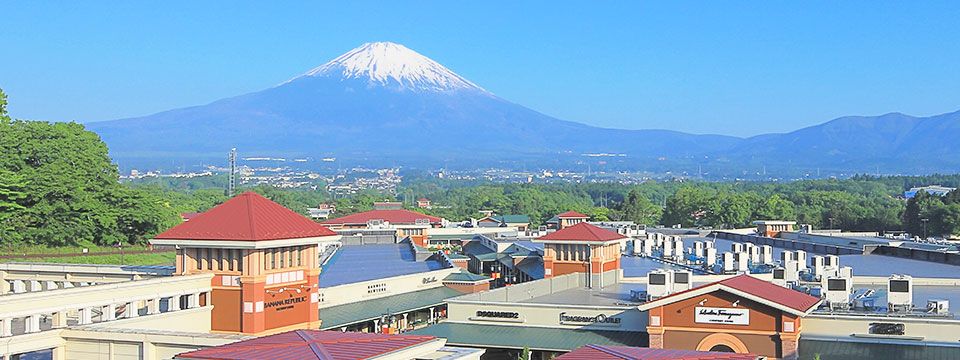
[880, 265]
[636, 266]
[357, 263]
[530, 245]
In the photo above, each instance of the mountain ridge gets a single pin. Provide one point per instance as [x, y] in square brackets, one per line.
[383, 101]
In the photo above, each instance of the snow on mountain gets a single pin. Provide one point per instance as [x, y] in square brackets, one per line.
[390, 64]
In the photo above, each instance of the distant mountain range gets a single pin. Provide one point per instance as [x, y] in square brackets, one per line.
[384, 103]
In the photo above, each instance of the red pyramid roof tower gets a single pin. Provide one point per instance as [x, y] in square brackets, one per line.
[582, 232]
[247, 217]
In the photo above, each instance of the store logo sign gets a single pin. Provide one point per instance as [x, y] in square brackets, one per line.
[429, 280]
[580, 319]
[729, 316]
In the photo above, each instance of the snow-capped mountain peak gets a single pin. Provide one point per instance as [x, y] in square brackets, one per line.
[393, 65]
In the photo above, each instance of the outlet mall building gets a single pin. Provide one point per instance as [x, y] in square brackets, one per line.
[250, 273]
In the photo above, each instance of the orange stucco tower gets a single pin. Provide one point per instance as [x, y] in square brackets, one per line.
[264, 260]
[581, 248]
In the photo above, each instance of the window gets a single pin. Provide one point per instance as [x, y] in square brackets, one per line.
[290, 257]
[299, 256]
[218, 263]
[240, 260]
[273, 259]
[283, 257]
[196, 256]
[230, 259]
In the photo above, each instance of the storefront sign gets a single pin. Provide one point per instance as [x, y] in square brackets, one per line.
[429, 280]
[498, 314]
[284, 304]
[581, 319]
[730, 316]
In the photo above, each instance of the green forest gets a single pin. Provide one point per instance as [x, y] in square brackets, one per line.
[58, 187]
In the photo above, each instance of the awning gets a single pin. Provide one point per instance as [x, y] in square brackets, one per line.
[535, 338]
[348, 314]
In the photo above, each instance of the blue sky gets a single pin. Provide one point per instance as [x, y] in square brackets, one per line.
[739, 68]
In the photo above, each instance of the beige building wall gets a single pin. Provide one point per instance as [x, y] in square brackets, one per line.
[368, 290]
[853, 327]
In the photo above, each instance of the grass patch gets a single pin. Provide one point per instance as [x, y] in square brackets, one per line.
[76, 249]
[158, 258]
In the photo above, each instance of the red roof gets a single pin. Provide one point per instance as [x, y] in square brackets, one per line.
[310, 344]
[571, 214]
[247, 217]
[392, 216]
[762, 289]
[603, 352]
[582, 232]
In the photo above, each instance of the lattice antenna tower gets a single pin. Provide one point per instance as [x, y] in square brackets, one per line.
[232, 183]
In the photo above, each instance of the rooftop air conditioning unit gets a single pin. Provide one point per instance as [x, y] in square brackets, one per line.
[728, 263]
[838, 292]
[786, 256]
[698, 249]
[678, 247]
[743, 262]
[780, 277]
[659, 283]
[637, 246]
[710, 256]
[422, 221]
[900, 293]
[682, 281]
[845, 272]
[832, 261]
[792, 271]
[754, 252]
[817, 262]
[736, 247]
[766, 254]
[938, 306]
[667, 249]
[802, 259]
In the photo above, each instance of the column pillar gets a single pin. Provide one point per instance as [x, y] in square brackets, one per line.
[432, 319]
[148, 351]
[789, 344]
[195, 300]
[376, 326]
[656, 337]
[85, 316]
[4, 285]
[60, 319]
[58, 353]
[153, 306]
[109, 313]
[32, 324]
[133, 309]
[33, 285]
[173, 304]
[6, 327]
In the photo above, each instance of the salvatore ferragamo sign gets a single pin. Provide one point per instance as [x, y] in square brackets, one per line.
[729, 316]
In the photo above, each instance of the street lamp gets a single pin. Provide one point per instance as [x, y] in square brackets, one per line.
[924, 221]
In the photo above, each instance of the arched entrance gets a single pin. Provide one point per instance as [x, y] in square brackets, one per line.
[723, 343]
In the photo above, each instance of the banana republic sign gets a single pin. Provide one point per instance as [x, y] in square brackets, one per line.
[284, 304]
[601, 319]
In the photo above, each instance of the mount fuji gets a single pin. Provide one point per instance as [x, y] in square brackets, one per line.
[379, 101]
[384, 104]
